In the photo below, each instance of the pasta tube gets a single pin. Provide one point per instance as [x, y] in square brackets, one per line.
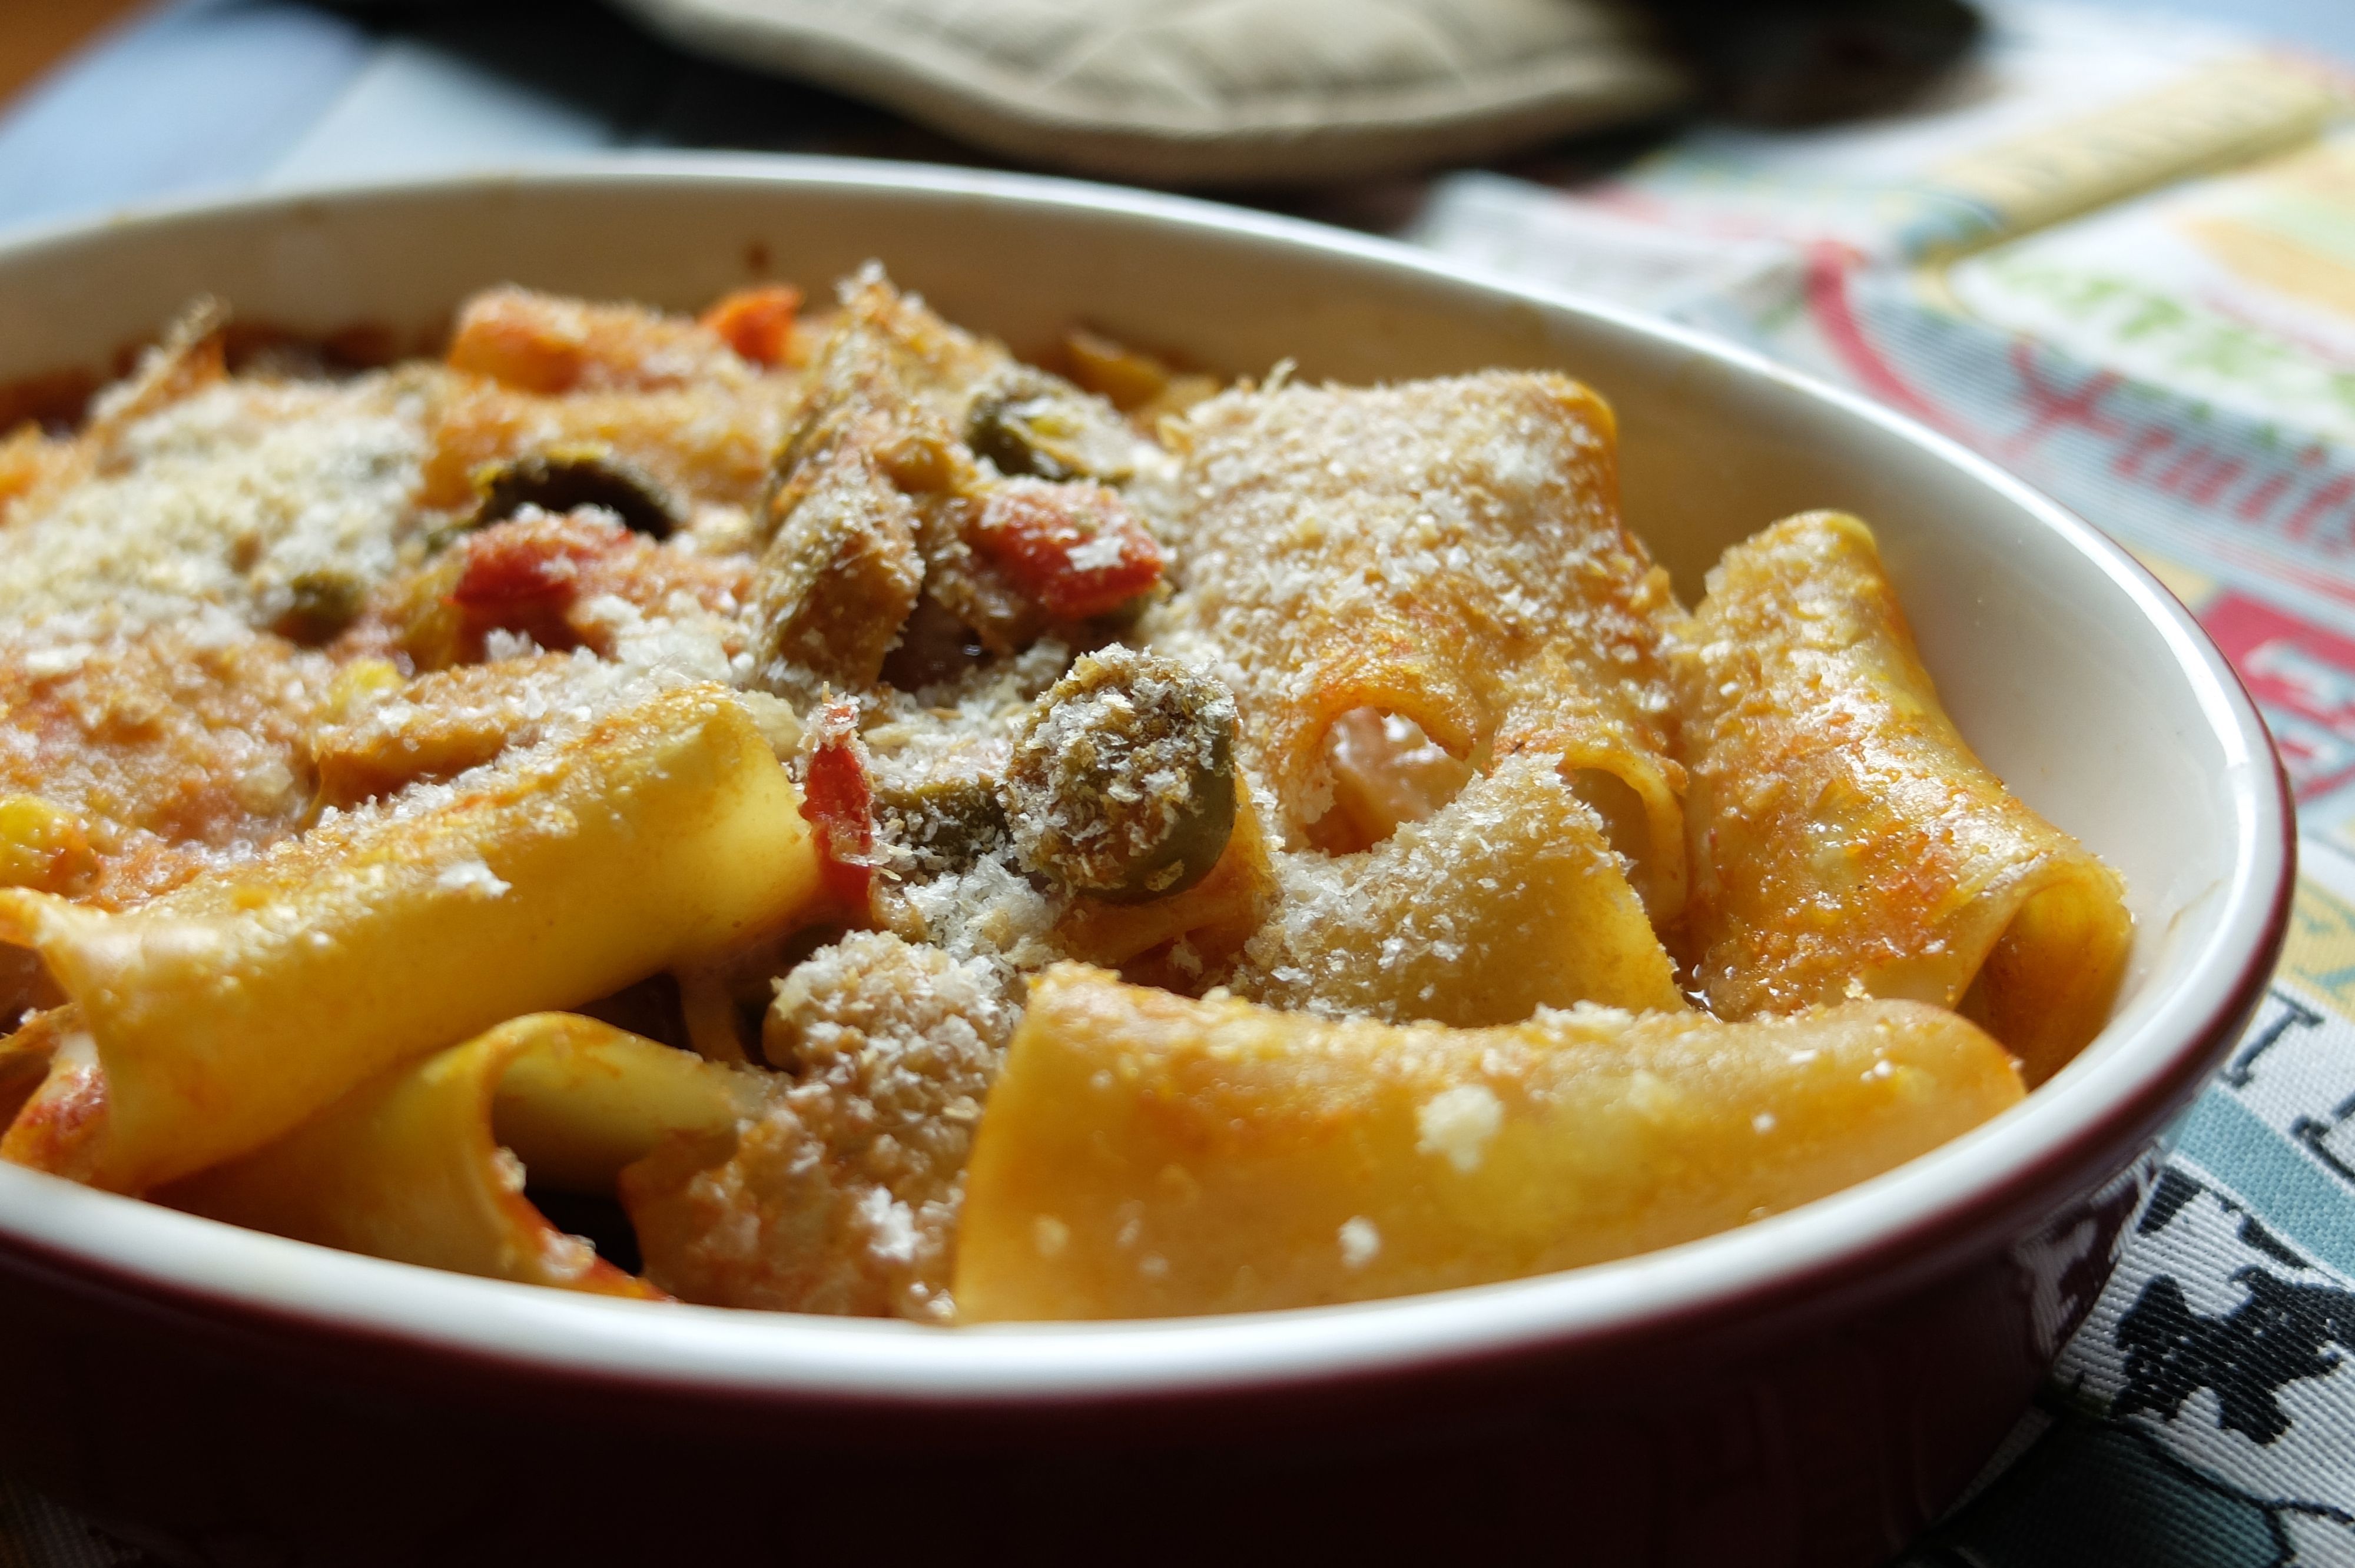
[1843, 834]
[225, 1013]
[1143, 1154]
[426, 1163]
[1448, 553]
[1505, 901]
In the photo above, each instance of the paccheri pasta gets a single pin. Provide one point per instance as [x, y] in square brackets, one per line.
[863, 824]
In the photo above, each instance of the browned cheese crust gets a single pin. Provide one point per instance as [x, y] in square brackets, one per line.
[169, 754]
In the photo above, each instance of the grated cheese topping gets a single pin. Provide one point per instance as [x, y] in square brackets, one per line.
[1458, 1124]
[229, 498]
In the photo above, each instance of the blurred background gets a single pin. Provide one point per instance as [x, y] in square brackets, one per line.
[2109, 243]
[107, 100]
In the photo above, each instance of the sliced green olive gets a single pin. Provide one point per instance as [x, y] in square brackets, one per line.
[1122, 780]
[954, 819]
[1027, 422]
[321, 603]
[562, 478]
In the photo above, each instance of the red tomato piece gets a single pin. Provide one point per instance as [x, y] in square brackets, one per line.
[1076, 548]
[522, 575]
[838, 800]
[758, 324]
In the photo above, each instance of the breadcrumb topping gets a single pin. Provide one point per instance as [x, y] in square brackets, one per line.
[229, 498]
[1448, 551]
[843, 1195]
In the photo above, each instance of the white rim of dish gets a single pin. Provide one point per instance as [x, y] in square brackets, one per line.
[688, 1349]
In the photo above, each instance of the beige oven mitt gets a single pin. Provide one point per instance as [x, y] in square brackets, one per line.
[1203, 92]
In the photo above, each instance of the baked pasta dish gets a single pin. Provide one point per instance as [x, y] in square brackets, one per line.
[800, 809]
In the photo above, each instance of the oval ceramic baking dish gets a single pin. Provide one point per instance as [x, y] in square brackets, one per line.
[1814, 1388]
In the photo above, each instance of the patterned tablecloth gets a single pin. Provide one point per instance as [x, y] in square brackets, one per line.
[2118, 257]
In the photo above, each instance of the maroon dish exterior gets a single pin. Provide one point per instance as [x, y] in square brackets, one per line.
[1823, 1412]
[1827, 1422]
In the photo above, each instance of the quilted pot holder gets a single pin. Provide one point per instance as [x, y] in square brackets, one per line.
[1209, 91]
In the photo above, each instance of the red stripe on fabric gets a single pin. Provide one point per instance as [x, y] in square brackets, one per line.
[1828, 269]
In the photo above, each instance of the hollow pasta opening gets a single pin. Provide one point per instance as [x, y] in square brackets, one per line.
[26, 1057]
[2047, 981]
[52, 1091]
[501, 1157]
[1385, 770]
[597, 1218]
[1627, 822]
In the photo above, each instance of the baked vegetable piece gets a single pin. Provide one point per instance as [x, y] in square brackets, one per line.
[1846, 840]
[562, 478]
[928, 475]
[1146, 1155]
[1122, 782]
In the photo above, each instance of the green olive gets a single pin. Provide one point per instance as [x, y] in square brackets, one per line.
[1027, 422]
[562, 478]
[320, 604]
[954, 819]
[1122, 780]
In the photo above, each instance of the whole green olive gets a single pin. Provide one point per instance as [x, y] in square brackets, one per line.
[1123, 779]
